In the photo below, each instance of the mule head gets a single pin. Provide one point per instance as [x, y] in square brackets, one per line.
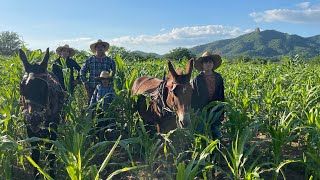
[34, 86]
[34, 68]
[180, 92]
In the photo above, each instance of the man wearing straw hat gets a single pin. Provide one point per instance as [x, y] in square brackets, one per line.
[208, 87]
[95, 65]
[65, 61]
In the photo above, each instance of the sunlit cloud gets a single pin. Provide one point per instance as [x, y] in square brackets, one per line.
[81, 43]
[179, 37]
[76, 40]
[303, 5]
[162, 42]
[184, 35]
[305, 14]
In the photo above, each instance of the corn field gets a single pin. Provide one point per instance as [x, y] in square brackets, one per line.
[271, 128]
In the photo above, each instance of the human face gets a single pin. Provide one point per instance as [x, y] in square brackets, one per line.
[100, 49]
[207, 65]
[105, 82]
[65, 53]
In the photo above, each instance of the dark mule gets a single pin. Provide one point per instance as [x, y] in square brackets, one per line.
[171, 99]
[42, 100]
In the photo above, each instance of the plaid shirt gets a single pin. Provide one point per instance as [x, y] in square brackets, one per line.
[94, 67]
[106, 93]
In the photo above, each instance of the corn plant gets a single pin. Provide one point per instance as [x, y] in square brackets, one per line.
[238, 156]
[281, 133]
[189, 170]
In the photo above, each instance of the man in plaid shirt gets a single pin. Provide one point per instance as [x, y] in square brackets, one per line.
[95, 65]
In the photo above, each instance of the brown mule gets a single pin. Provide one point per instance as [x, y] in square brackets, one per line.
[171, 99]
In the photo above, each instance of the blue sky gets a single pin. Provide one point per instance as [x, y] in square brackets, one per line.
[150, 25]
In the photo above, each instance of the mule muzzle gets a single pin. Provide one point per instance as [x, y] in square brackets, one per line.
[184, 120]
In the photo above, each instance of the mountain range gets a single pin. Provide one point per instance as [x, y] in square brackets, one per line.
[263, 44]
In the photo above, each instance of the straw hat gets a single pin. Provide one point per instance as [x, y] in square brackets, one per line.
[215, 58]
[105, 44]
[60, 48]
[104, 75]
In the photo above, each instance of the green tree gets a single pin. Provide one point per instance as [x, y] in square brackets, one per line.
[10, 42]
[180, 54]
[121, 51]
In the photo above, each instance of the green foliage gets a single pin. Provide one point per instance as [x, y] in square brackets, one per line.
[192, 169]
[180, 54]
[264, 44]
[277, 100]
[127, 55]
[10, 42]
[237, 157]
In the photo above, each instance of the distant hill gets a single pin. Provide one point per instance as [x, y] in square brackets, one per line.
[315, 38]
[145, 54]
[264, 44]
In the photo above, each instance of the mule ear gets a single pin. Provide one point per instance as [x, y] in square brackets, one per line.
[24, 60]
[189, 67]
[45, 60]
[171, 70]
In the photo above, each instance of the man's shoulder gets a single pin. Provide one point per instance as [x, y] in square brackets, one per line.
[98, 86]
[217, 75]
[198, 76]
[57, 61]
[109, 59]
[91, 58]
[73, 62]
[71, 59]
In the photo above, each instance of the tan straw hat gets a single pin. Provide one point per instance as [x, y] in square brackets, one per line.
[215, 58]
[105, 44]
[104, 75]
[60, 48]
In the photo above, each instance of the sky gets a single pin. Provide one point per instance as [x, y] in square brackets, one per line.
[152, 25]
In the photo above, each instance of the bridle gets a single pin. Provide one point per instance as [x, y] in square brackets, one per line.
[165, 106]
[175, 84]
[43, 77]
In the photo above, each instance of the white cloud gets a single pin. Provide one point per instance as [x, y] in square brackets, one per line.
[184, 35]
[81, 43]
[303, 5]
[159, 43]
[76, 40]
[307, 14]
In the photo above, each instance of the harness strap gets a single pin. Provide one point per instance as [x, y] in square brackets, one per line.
[141, 85]
[43, 77]
[160, 99]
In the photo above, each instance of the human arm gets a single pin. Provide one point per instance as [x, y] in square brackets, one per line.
[57, 71]
[93, 98]
[221, 96]
[199, 97]
[83, 72]
[113, 67]
[77, 67]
